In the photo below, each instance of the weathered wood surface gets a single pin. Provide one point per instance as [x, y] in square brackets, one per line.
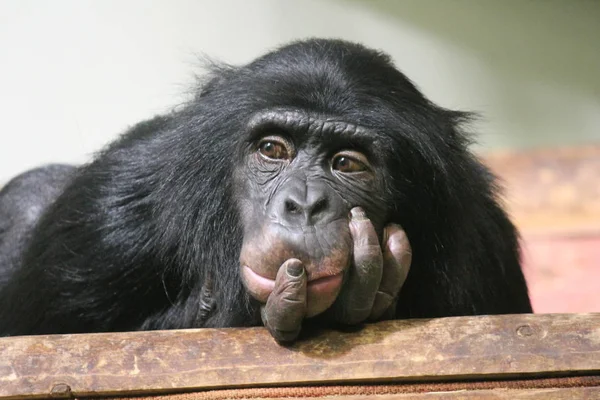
[551, 190]
[481, 347]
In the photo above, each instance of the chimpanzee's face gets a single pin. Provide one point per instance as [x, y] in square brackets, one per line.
[300, 176]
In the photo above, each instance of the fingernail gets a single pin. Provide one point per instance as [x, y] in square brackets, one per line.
[358, 214]
[295, 269]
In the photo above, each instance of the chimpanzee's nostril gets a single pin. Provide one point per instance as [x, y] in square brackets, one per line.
[320, 205]
[292, 207]
[301, 205]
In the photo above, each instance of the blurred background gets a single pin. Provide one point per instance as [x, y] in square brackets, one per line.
[75, 73]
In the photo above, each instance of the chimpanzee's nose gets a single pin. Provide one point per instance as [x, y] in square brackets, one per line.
[308, 210]
[300, 204]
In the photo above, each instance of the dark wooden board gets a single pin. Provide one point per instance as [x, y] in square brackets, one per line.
[484, 347]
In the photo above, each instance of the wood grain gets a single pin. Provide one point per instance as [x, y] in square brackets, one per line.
[483, 347]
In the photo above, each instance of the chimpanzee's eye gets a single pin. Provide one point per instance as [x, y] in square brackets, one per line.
[349, 162]
[274, 149]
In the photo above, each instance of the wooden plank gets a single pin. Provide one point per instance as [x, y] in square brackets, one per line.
[482, 347]
[551, 190]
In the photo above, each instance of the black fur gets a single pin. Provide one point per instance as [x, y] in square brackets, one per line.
[131, 240]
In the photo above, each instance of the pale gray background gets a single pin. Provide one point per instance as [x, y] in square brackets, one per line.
[76, 73]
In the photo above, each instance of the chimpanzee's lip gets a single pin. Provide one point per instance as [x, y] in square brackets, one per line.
[261, 286]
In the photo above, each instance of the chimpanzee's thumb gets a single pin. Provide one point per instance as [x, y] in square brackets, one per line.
[285, 309]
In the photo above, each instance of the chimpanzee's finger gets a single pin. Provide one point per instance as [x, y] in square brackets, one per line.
[286, 306]
[356, 299]
[397, 256]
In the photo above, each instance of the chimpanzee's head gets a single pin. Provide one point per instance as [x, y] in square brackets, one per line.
[313, 151]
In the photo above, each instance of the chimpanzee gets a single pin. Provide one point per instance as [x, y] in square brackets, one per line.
[316, 183]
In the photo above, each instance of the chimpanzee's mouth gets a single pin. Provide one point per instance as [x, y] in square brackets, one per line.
[259, 286]
[321, 291]
[316, 283]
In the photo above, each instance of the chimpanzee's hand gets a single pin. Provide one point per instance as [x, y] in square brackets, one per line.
[286, 306]
[376, 275]
[370, 292]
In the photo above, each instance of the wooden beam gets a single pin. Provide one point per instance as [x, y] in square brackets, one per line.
[460, 348]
